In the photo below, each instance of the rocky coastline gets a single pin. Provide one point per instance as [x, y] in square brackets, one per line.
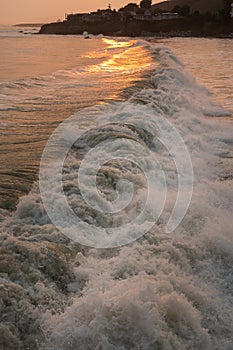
[180, 27]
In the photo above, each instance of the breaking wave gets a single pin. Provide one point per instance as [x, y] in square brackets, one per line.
[164, 291]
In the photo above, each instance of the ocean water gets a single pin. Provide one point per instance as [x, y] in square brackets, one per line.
[41, 85]
[165, 290]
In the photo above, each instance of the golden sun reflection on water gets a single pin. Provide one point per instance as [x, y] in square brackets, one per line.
[85, 73]
[128, 58]
[115, 43]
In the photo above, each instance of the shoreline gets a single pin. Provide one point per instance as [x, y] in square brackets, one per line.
[150, 35]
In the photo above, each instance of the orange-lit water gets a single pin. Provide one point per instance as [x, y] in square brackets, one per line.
[44, 80]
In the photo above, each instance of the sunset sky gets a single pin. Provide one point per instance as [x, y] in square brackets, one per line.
[26, 11]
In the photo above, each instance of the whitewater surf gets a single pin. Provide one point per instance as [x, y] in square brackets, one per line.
[64, 288]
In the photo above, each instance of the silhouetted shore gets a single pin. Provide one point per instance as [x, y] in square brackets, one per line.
[181, 27]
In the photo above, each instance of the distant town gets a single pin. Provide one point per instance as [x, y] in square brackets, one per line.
[145, 19]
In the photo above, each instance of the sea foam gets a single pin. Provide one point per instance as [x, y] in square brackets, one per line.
[164, 291]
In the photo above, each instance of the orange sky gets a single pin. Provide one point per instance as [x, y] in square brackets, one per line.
[28, 11]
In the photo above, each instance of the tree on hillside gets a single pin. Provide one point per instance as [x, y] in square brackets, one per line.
[228, 4]
[225, 12]
[182, 10]
[131, 6]
[158, 10]
[146, 4]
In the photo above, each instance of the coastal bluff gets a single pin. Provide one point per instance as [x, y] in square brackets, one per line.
[134, 20]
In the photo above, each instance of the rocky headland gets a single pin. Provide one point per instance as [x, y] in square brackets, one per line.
[149, 20]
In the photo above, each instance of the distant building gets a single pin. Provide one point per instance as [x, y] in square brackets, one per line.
[130, 12]
[97, 16]
[148, 16]
[167, 15]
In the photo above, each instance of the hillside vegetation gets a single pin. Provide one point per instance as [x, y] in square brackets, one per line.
[203, 6]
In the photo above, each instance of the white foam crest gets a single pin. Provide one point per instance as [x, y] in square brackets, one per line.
[131, 314]
[173, 88]
[158, 295]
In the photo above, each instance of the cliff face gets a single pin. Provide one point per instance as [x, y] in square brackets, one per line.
[205, 25]
[60, 28]
[112, 27]
[131, 28]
